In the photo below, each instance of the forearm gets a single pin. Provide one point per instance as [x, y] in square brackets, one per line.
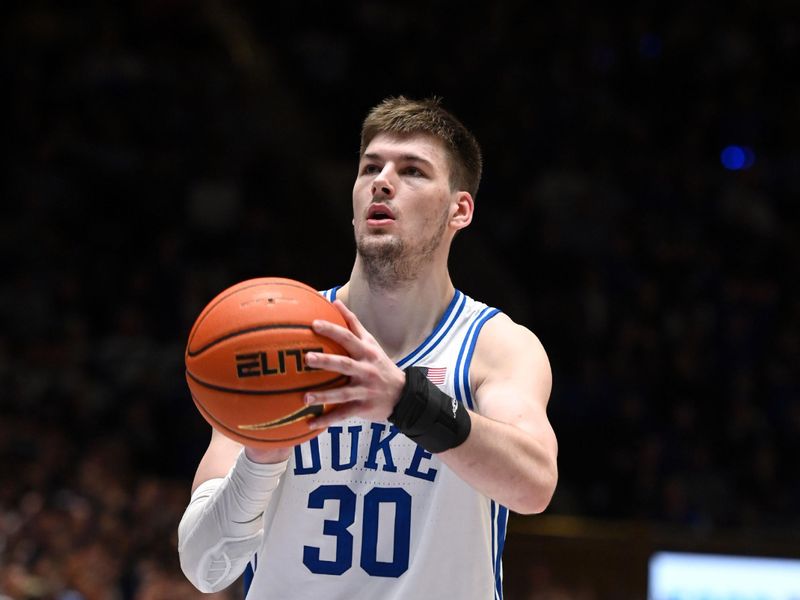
[512, 464]
[506, 464]
[222, 526]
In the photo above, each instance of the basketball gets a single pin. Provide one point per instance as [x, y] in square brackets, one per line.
[245, 361]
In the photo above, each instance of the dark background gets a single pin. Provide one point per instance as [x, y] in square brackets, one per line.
[160, 151]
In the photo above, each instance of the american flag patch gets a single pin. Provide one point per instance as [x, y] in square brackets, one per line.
[436, 375]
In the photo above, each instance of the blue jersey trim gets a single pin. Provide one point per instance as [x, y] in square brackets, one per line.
[492, 506]
[465, 355]
[454, 309]
[459, 365]
[439, 332]
[485, 315]
[502, 521]
[331, 293]
[249, 573]
[247, 579]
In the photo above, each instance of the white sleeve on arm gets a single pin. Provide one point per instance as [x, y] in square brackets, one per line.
[223, 525]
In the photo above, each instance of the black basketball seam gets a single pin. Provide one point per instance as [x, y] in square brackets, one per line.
[233, 334]
[306, 388]
[210, 308]
[222, 425]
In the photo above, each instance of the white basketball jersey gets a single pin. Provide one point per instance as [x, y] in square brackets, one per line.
[363, 512]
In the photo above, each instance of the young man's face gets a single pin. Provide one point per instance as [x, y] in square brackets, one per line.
[402, 201]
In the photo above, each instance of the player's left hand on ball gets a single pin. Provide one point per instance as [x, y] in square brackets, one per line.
[375, 381]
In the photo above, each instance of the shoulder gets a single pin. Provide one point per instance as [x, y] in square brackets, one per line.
[507, 349]
[501, 336]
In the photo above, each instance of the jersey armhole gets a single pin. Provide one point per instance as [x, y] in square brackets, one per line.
[462, 383]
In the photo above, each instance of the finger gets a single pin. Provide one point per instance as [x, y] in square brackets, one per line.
[347, 393]
[341, 335]
[334, 362]
[351, 319]
[340, 413]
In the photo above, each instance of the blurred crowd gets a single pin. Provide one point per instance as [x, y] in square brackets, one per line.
[158, 152]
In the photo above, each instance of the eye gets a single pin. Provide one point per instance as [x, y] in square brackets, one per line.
[413, 171]
[370, 169]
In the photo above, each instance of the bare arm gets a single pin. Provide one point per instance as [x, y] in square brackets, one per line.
[510, 454]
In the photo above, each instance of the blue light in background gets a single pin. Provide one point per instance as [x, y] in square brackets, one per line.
[736, 158]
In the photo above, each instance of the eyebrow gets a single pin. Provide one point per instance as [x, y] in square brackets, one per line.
[402, 157]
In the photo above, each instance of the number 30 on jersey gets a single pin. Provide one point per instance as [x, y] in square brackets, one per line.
[338, 529]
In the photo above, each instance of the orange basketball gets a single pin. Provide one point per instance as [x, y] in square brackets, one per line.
[245, 361]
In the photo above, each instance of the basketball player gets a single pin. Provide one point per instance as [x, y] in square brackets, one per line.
[441, 431]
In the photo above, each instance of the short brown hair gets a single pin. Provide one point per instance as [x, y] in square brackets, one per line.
[402, 116]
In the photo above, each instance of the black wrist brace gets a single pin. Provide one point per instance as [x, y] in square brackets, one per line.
[428, 416]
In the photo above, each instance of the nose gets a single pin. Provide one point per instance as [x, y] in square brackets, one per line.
[382, 184]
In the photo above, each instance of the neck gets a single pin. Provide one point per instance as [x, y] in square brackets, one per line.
[401, 316]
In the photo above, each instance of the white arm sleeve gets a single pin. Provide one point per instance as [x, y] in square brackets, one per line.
[223, 525]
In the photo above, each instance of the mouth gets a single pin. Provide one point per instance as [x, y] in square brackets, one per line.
[379, 215]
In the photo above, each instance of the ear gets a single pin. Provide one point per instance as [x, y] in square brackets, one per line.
[464, 206]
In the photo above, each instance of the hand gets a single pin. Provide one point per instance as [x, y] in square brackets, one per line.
[375, 381]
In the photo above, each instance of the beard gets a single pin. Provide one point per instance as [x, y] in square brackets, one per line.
[389, 261]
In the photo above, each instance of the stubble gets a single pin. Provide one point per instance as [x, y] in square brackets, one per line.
[390, 262]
